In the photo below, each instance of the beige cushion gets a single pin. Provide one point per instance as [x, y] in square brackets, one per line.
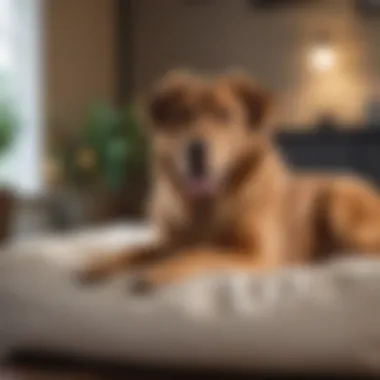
[302, 318]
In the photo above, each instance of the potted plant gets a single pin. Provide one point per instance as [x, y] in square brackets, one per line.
[105, 160]
[112, 158]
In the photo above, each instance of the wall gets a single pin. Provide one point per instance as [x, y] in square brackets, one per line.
[219, 34]
[80, 56]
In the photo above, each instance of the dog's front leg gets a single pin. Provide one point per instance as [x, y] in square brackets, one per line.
[106, 266]
[190, 263]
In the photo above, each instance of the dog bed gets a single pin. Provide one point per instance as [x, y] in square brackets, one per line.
[320, 318]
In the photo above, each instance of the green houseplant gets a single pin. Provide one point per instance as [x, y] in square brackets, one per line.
[107, 155]
[118, 145]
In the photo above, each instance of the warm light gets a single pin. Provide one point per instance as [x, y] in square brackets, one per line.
[322, 58]
[52, 171]
[86, 158]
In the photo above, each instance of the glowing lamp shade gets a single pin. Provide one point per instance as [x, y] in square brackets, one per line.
[322, 56]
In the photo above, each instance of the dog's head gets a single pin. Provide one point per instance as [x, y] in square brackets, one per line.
[201, 129]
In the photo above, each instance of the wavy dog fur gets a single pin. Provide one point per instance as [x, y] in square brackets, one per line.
[262, 216]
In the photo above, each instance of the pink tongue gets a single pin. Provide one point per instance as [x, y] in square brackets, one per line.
[200, 188]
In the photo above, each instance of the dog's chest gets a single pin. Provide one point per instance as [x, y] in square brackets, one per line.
[217, 224]
[203, 221]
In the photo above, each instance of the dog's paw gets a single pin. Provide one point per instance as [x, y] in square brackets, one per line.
[142, 286]
[89, 276]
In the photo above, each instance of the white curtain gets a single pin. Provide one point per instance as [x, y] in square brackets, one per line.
[21, 82]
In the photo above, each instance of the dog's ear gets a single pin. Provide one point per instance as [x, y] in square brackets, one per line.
[255, 100]
[164, 105]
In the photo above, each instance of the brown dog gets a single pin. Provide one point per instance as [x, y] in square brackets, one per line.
[223, 198]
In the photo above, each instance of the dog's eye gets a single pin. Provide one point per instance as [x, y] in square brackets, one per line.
[181, 115]
[172, 115]
[171, 108]
[176, 119]
[222, 115]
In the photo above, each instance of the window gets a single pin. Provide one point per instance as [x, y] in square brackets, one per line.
[21, 86]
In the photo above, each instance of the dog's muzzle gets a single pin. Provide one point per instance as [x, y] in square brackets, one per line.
[199, 185]
[196, 158]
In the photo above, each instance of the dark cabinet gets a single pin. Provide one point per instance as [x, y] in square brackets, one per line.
[352, 151]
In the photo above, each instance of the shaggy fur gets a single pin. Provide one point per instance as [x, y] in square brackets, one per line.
[257, 213]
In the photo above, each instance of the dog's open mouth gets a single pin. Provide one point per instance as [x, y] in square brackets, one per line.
[199, 188]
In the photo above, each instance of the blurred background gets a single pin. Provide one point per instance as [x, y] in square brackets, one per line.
[71, 149]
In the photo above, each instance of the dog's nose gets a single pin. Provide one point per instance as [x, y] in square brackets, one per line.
[197, 158]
